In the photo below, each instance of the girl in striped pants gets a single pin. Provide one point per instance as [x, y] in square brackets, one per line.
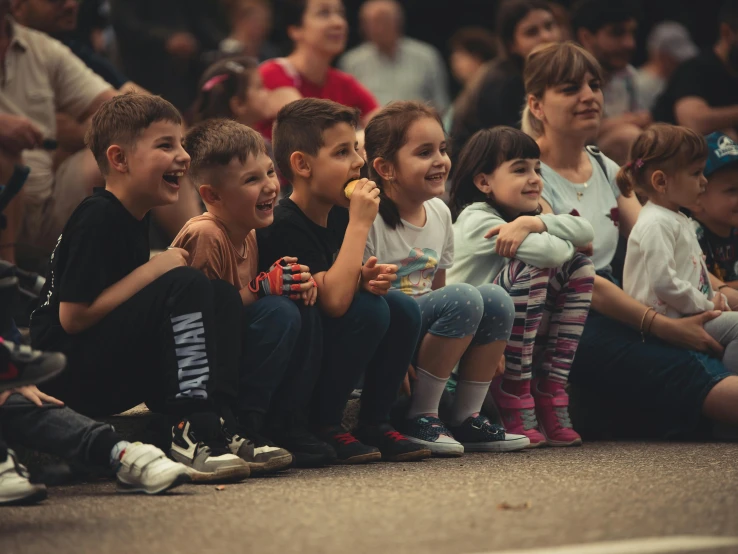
[539, 259]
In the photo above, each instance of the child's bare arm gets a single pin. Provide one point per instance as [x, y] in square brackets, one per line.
[337, 286]
[76, 317]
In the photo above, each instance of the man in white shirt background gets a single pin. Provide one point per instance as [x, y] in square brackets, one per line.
[393, 66]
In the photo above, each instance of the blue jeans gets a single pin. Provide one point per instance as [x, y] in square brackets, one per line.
[377, 337]
[280, 360]
[667, 384]
[56, 430]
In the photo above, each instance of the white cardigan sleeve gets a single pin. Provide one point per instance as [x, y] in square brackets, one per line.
[657, 248]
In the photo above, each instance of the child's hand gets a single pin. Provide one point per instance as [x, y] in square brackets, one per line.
[31, 393]
[721, 302]
[169, 259]
[587, 250]
[511, 235]
[285, 278]
[364, 202]
[377, 278]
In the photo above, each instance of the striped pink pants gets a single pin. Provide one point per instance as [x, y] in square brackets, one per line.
[551, 307]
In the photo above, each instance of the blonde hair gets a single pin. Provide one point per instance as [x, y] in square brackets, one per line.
[550, 65]
[662, 147]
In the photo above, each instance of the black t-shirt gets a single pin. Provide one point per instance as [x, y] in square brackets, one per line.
[101, 243]
[293, 234]
[704, 76]
[721, 253]
[498, 99]
[97, 63]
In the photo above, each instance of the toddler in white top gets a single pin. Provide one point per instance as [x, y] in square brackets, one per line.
[664, 266]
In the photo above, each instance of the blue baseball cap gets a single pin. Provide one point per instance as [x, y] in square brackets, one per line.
[722, 151]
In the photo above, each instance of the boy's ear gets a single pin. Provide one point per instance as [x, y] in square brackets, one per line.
[116, 158]
[209, 194]
[658, 181]
[384, 169]
[300, 164]
[481, 182]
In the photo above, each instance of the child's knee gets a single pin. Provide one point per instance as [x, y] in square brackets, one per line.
[461, 313]
[368, 312]
[499, 313]
[280, 312]
[404, 310]
[581, 266]
[225, 292]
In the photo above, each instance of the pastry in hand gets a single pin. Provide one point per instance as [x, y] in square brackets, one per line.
[349, 189]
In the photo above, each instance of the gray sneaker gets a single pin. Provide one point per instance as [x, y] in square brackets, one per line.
[261, 455]
[209, 461]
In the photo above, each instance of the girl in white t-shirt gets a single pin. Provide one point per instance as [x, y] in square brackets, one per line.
[462, 324]
[664, 265]
[503, 238]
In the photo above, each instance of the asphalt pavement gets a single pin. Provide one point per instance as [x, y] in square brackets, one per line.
[475, 504]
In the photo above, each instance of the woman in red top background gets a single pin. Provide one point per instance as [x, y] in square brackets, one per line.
[319, 30]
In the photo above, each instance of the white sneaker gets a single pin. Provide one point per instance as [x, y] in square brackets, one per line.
[206, 462]
[145, 468]
[15, 488]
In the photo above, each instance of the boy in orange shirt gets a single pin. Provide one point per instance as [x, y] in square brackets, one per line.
[280, 357]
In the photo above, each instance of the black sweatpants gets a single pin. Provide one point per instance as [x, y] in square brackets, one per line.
[158, 347]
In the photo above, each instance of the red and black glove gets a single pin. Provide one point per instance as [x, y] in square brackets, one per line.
[282, 279]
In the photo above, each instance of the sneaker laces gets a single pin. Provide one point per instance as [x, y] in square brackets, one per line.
[395, 436]
[529, 419]
[562, 415]
[345, 438]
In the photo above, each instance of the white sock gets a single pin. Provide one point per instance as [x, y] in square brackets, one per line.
[468, 400]
[116, 453]
[426, 394]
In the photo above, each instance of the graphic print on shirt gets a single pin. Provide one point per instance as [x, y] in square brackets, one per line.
[417, 270]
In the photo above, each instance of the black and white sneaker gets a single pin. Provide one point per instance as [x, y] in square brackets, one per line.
[348, 448]
[307, 449]
[260, 454]
[15, 488]
[393, 445]
[478, 434]
[198, 442]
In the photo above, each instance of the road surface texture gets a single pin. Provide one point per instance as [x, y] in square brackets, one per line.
[530, 501]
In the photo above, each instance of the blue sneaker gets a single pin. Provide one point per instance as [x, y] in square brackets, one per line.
[433, 434]
[478, 434]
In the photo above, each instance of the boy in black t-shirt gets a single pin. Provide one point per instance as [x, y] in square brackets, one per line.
[365, 329]
[135, 330]
[717, 214]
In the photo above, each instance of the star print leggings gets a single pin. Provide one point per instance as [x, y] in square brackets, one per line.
[551, 307]
[460, 310]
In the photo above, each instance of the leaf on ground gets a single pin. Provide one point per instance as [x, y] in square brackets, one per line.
[515, 507]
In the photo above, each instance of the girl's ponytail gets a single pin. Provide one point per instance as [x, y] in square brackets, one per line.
[624, 180]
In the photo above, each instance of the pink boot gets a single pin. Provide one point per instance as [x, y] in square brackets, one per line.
[552, 408]
[518, 413]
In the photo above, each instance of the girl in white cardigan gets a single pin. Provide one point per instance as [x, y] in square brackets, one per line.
[502, 238]
[664, 266]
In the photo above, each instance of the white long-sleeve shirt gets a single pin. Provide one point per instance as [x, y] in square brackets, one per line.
[664, 266]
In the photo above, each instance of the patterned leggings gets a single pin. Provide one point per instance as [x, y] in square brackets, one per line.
[551, 307]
